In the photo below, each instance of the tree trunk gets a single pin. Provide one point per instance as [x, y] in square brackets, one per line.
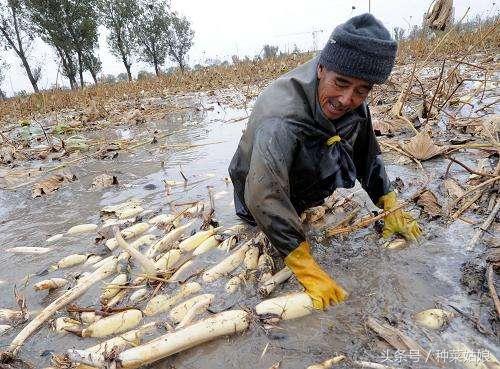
[94, 75]
[129, 74]
[80, 68]
[125, 60]
[68, 67]
[28, 72]
[20, 50]
[157, 67]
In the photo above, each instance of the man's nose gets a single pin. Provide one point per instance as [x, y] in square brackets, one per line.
[346, 97]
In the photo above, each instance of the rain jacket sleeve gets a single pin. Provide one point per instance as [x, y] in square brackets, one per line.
[267, 187]
[370, 168]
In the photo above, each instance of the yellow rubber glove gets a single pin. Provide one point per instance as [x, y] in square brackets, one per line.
[399, 221]
[322, 289]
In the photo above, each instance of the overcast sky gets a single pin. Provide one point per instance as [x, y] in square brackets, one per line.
[228, 27]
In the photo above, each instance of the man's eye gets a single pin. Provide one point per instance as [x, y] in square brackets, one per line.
[341, 84]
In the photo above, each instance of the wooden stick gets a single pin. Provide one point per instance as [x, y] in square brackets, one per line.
[435, 92]
[486, 224]
[491, 287]
[475, 188]
[483, 174]
[467, 205]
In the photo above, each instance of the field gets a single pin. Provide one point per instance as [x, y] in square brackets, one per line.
[163, 145]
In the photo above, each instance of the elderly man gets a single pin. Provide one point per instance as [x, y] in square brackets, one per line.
[309, 133]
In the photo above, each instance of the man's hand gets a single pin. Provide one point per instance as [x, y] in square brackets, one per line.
[319, 286]
[399, 221]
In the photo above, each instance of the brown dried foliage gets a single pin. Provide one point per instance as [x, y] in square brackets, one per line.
[239, 75]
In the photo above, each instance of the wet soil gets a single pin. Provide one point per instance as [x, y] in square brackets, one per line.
[390, 285]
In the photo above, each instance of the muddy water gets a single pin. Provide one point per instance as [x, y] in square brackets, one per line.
[388, 285]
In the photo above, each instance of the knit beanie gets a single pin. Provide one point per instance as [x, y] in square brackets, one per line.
[361, 47]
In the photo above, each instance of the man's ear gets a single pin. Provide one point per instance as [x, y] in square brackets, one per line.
[320, 71]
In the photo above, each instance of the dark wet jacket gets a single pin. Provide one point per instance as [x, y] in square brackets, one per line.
[283, 165]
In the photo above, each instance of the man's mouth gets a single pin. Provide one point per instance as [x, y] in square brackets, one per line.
[334, 108]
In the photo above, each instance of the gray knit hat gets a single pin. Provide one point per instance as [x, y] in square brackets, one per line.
[361, 47]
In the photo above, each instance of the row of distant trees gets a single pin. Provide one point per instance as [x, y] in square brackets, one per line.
[147, 30]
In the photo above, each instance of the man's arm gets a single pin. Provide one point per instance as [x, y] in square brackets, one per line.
[371, 173]
[267, 196]
[370, 168]
[267, 188]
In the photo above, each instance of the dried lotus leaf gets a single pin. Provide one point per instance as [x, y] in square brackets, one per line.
[428, 201]
[52, 183]
[453, 189]
[422, 147]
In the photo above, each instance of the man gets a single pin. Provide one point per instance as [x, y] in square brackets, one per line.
[309, 133]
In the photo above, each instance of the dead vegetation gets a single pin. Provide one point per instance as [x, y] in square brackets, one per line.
[436, 117]
[102, 96]
[485, 37]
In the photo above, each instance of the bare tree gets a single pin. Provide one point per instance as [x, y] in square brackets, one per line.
[270, 51]
[151, 30]
[3, 68]
[180, 39]
[118, 16]
[80, 19]
[70, 26]
[18, 34]
[399, 33]
[93, 65]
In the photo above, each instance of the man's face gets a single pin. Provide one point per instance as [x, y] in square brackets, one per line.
[338, 94]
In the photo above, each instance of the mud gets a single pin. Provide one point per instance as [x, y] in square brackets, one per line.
[389, 285]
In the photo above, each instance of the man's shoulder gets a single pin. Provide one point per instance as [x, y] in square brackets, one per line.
[289, 96]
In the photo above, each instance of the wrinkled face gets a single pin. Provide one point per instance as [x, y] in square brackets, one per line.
[338, 94]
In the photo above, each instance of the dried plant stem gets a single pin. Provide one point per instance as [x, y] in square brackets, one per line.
[188, 146]
[76, 160]
[475, 188]
[370, 365]
[466, 63]
[491, 287]
[487, 105]
[435, 92]
[473, 46]
[406, 90]
[450, 96]
[410, 124]
[486, 224]
[482, 174]
[443, 39]
[467, 205]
